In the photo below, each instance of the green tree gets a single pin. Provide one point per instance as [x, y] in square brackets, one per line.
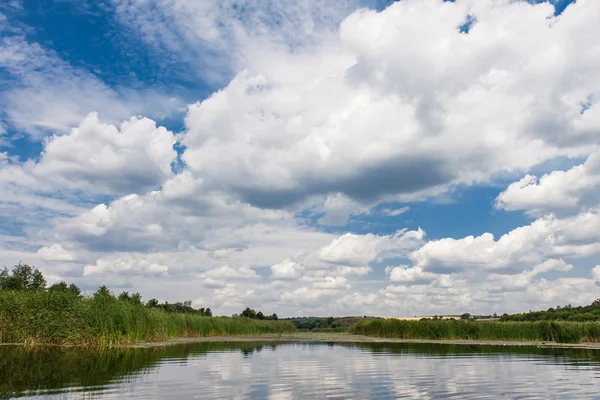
[124, 296]
[249, 313]
[103, 292]
[136, 299]
[465, 316]
[208, 313]
[23, 277]
[73, 288]
[152, 303]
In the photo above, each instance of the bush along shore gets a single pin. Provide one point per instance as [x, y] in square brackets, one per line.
[556, 331]
[32, 314]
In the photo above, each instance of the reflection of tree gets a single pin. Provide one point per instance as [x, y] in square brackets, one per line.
[30, 370]
[26, 370]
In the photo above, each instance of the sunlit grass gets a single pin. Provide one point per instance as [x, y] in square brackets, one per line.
[561, 332]
[65, 319]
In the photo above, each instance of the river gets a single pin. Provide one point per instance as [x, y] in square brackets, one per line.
[246, 370]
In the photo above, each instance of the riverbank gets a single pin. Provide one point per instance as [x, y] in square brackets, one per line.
[319, 337]
[540, 331]
[63, 319]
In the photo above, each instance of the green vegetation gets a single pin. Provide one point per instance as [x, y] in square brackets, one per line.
[59, 315]
[252, 314]
[561, 332]
[566, 313]
[324, 324]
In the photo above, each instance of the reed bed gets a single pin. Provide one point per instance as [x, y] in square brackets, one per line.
[561, 332]
[46, 318]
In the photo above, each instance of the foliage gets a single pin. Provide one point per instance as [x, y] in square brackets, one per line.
[23, 277]
[44, 317]
[64, 288]
[60, 315]
[561, 332]
[324, 324]
[252, 314]
[566, 313]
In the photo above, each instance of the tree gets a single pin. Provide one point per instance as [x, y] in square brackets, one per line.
[124, 296]
[62, 287]
[260, 315]
[465, 316]
[74, 289]
[152, 303]
[274, 317]
[249, 313]
[136, 299]
[103, 292]
[208, 312]
[23, 277]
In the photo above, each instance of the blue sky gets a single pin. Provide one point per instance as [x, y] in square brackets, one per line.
[305, 156]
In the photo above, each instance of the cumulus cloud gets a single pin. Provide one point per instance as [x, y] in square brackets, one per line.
[125, 266]
[559, 191]
[405, 274]
[548, 236]
[387, 118]
[226, 272]
[55, 253]
[329, 117]
[286, 269]
[523, 279]
[358, 250]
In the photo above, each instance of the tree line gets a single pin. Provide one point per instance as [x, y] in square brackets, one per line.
[590, 312]
[26, 278]
[253, 314]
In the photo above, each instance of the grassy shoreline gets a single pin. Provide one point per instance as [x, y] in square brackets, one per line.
[549, 331]
[47, 318]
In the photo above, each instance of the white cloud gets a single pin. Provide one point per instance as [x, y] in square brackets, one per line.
[46, 94]
[226, 272]
[358, 250]
[396, 212]
[405, 274]
[286, 269]
[558, 191]
[101, 158]
[523, 280]
[321, 120]
[386, 118]
[330, 282]
[548, 236]
[125, 266]
[596, 273]
[55, 253]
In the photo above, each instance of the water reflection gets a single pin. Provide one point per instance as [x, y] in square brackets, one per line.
[301, 371]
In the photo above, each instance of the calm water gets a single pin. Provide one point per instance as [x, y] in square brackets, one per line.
[301, 371]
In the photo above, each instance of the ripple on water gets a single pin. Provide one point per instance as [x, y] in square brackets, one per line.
[302, 371]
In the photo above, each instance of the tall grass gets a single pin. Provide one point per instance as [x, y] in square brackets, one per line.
[561, 332]
[66, 319]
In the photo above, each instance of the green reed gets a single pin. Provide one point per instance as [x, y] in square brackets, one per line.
[66, 319]
[561, 332]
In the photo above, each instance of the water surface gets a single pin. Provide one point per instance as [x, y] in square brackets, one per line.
[301, 371]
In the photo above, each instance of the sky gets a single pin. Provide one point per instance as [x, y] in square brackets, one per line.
[305, 157]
